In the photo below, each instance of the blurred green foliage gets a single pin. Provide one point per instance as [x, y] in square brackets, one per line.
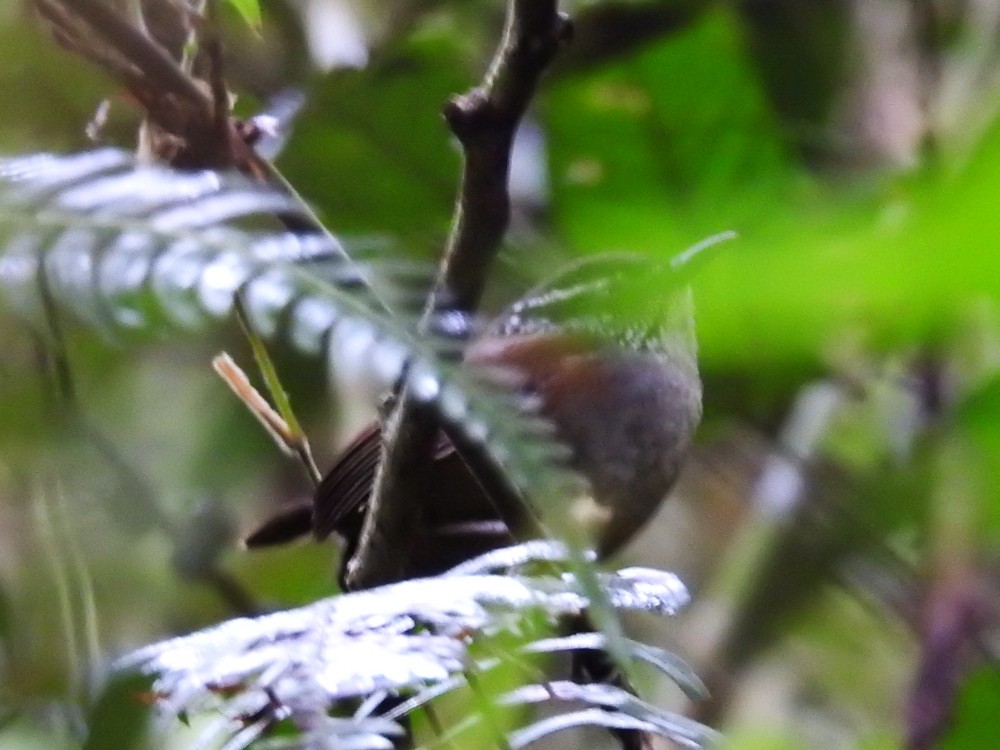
[980, 699]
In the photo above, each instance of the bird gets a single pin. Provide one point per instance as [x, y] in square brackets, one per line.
[626, 405]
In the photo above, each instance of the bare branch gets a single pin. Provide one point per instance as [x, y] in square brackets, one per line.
[148, 56]
[484, 120]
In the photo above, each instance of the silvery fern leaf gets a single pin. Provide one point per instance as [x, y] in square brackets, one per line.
[623, 704]
[124, 245]
[666, 662]
[121, 245]
[305, 663]
[672, 666]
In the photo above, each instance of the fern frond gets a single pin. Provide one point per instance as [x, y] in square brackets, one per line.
[667, 663]
[121, 245]
[409, 637]
[627, 712]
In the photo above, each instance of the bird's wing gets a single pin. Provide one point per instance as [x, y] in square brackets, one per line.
[284, 526]
[347, 486]
[342, 497]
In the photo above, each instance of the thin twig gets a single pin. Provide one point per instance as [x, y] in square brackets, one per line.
[145, 54]
[216, 78]
[484, 120]
[64, 28]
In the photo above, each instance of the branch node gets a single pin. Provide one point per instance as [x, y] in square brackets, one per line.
[471, 114]
[565, 30]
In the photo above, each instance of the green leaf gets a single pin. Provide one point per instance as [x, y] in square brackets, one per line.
[120, 716]
[388, 164]
[249, 10]
[279, 395]
[658, 151]
[975, 716]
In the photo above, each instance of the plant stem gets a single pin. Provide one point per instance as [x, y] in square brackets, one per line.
[484, 120]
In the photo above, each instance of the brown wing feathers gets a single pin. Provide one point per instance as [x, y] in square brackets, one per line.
[343, 495]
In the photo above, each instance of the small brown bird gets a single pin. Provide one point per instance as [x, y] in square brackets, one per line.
[627, 410]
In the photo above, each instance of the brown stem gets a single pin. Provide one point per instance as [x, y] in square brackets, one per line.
[140, 50]
[484, 121]
[63, 26]
[216, 78]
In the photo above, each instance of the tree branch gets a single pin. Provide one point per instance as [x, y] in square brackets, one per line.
[140, 50]
[484, 120]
